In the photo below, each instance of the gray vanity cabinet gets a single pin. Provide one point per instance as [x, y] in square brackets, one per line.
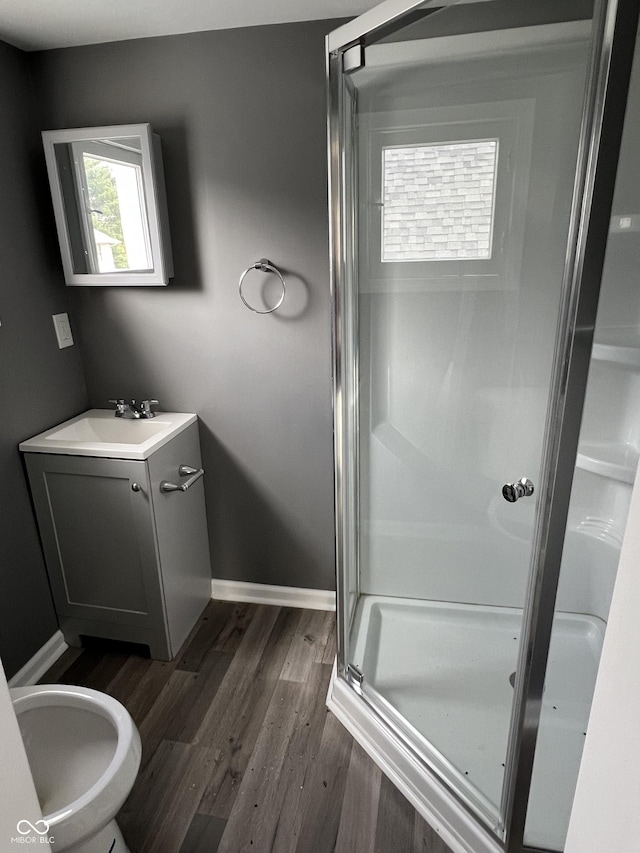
[126, 560]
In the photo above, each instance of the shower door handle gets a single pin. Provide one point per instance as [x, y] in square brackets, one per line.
[512, 492]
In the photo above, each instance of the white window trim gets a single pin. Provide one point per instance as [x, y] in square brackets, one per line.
[511, 122]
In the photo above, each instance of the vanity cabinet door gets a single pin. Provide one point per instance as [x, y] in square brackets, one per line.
[98, 532]
[181, 531]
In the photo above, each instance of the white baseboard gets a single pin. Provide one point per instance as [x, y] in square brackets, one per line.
[44, 658]
[283, 596]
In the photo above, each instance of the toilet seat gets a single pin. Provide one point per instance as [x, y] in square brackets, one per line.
[84, 751]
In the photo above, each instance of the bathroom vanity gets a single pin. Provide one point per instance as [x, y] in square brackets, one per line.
[121, 511]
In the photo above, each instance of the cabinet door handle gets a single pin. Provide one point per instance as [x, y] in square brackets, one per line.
[194, 474]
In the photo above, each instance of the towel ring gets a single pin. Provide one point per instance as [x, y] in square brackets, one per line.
[263, 265]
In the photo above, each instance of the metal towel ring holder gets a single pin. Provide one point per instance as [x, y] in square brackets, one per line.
[263, 265]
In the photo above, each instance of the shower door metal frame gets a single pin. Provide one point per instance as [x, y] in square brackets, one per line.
[615, 24]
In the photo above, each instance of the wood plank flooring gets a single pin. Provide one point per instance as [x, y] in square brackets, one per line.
[240, 754]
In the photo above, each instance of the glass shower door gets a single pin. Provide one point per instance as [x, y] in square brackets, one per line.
[463, 132]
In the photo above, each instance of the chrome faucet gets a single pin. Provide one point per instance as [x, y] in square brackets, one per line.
[132, 410]
[146, 411]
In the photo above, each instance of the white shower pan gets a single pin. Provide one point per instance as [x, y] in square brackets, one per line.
[447, 668]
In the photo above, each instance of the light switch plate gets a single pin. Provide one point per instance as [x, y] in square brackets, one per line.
[63, 330]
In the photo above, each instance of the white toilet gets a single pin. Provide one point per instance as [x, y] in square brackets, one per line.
[84, 752]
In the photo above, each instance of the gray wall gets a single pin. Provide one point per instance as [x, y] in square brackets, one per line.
[241, 115]
[40, 385]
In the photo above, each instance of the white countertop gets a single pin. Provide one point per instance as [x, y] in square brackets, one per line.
[99, 433]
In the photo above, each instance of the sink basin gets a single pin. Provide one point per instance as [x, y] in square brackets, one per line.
[99, 433]
[112, 431]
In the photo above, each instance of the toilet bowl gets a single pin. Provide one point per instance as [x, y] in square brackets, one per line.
[84, 752]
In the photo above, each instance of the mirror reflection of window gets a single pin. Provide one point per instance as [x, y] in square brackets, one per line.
[110, 205]
[111, 195]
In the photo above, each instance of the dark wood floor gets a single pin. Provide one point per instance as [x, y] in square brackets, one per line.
[239, 751]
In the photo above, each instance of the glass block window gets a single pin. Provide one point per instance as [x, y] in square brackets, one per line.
[438, 201]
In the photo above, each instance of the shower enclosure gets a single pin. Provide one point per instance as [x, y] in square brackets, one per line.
[473, 153]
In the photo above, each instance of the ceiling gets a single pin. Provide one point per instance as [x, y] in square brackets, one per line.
[46, 24]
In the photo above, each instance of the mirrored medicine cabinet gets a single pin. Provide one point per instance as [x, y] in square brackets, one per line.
[109, 201]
